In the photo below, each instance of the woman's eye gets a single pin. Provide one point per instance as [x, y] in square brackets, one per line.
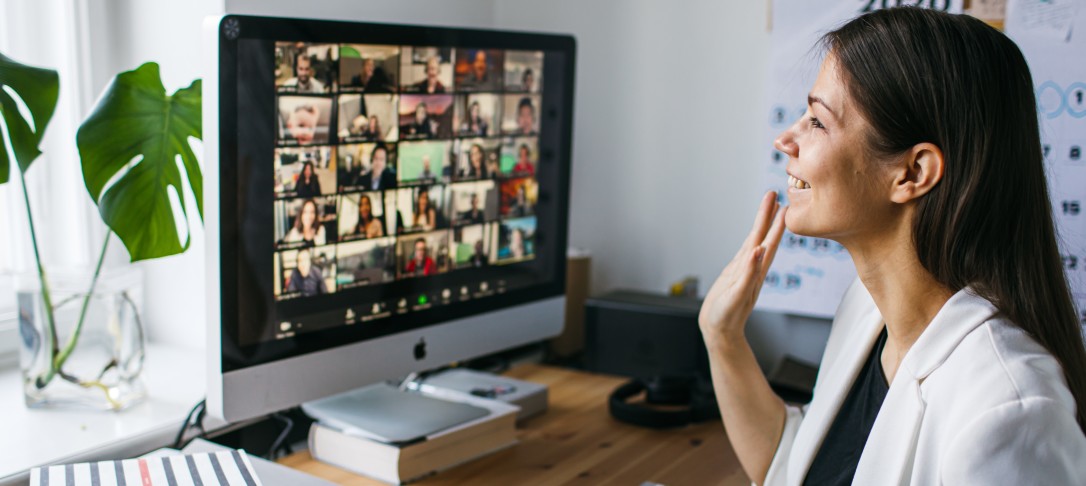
[815, 123]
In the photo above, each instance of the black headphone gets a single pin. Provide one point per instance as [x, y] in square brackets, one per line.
[696, 394]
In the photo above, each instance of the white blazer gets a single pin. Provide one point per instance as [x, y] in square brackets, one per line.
[975, 401]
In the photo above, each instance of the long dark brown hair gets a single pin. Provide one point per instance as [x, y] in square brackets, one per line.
[918, 75]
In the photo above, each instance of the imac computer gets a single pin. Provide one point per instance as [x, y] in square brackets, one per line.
[378, 200]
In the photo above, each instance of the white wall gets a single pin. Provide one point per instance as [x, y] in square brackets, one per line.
[666, 164]
[458, 13]
[667, 143]
[169, 33]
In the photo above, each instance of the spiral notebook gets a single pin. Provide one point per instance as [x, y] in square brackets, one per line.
[231, 467]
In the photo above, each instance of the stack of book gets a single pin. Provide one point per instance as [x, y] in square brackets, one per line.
[399, 463]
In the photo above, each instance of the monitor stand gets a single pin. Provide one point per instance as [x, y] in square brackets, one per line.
[389, 414]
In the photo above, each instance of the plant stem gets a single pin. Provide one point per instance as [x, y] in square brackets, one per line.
[60, 358]
[48, 300]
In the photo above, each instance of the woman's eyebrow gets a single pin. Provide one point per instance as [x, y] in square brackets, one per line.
[812, 99]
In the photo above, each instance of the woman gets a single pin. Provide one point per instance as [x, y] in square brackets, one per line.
[373, 130]
[476, 168]
[956, 356]
[475, 124]
[516, 243]
[423, 126]
[425, 215]
[308, 184]
[307, 226]
[368, 226]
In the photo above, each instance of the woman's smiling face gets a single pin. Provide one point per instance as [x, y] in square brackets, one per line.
[836, 189]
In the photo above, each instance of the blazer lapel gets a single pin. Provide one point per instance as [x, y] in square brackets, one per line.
[890, 451]
[835, 381]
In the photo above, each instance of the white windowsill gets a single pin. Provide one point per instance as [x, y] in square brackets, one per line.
[175, 381]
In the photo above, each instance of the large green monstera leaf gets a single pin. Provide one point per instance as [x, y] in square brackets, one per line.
[38, 88]
[129, 148]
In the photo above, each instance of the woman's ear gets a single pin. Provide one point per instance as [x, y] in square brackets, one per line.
[920, 171]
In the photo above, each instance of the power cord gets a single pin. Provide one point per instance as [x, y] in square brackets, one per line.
[288, 425]
[194, 418]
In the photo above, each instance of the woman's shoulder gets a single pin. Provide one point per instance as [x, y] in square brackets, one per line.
[1007, 412]
[999, 364]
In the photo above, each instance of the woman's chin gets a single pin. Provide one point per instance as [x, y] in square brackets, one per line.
[797, 225]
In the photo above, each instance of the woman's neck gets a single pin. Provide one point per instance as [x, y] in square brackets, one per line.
[906, 294]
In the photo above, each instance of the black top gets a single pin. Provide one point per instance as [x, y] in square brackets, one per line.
[836, 461]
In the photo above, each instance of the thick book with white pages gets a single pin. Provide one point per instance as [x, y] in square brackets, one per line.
[398, 464]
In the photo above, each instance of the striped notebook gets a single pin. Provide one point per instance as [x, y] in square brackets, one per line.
[208, 469]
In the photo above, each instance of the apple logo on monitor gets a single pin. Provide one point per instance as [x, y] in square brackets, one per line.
[420, 350]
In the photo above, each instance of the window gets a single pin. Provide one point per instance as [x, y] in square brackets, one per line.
[40, 34]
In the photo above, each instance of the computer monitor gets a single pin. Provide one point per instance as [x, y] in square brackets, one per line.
[379, 199]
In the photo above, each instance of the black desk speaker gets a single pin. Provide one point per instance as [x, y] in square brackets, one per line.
[655, 340]
[643, 335]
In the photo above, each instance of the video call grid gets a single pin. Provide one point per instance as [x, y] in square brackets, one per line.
[381, 251]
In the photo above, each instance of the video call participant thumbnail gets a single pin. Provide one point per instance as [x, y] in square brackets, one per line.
[304, 120]
[366, 118]
[424, 162]
[476, 158]
[426, 70]
[425, 116]
[367, 262]
[520, 114]
[362, 215]
[305, 272]
[305, 222]
[474, 202]
[304, 172]
[421, 208]
[523, 71]
[478, 69]
[516, 240]
[518, 197]
[472, 245]
[368, 68]
[519, 156]
[350, 166]
[423, 255]
[379, 171]
[477, 115]
[305, 68]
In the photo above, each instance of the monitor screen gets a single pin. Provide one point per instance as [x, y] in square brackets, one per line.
[374, 179]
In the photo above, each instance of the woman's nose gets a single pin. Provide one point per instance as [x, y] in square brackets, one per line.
[786, 143]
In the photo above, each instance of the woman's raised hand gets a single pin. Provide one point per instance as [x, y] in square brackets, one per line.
[731, 299]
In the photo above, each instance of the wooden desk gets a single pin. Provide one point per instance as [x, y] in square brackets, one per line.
[577, 442]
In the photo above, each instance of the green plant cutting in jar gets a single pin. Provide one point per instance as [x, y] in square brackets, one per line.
[133, 148]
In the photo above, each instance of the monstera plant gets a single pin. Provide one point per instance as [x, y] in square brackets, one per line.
[133, 148]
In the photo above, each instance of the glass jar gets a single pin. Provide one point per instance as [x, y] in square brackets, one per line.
[88, 351]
